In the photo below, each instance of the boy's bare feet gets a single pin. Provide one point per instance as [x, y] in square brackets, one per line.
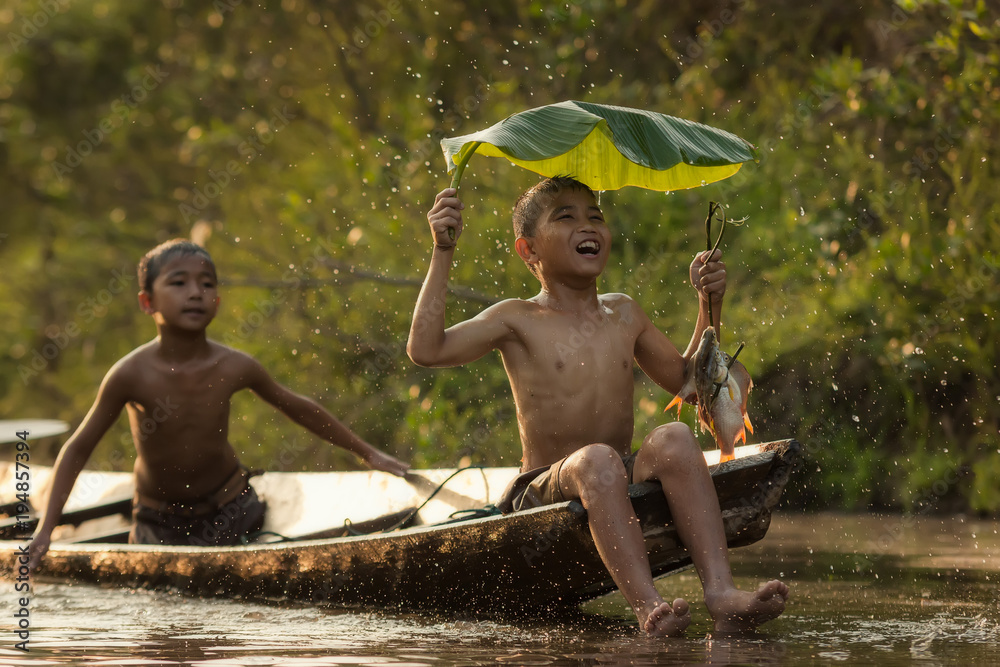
[734, 610]
[665, 620]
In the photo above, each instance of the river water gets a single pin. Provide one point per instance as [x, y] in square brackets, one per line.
[866, 590]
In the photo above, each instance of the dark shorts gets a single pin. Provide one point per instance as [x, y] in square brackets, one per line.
[540, 486]
[224, 526]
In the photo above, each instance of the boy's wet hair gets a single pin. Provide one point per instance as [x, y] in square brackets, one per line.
[529, 205]
[153, 261]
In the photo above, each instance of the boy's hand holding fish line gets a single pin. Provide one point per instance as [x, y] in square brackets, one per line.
[710, 370]
[569, 354]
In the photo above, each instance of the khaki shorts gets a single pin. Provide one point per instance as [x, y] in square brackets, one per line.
[540, 486]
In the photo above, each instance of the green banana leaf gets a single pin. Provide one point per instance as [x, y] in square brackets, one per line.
[607, 147]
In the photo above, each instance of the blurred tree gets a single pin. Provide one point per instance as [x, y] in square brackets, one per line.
[298, 141]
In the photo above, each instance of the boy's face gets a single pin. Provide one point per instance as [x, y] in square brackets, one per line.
[571, 236]
[185, 294]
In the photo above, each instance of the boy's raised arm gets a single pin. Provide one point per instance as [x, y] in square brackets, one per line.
[73, 456]
[429, 343]
[708, 277]
[311, 415]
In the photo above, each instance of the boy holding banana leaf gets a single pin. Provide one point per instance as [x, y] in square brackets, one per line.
[569, 354]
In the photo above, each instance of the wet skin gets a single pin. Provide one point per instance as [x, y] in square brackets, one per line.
[569, 355]
[177, 390]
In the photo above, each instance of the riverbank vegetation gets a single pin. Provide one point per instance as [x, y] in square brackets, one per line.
[298, 141]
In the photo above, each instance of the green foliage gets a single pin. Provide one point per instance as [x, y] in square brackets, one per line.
[299, 141]
[985, 494]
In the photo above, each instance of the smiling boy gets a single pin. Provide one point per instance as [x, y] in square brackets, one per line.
[190, 486]
[569, 354]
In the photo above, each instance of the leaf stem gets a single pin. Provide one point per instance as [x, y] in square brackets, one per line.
[460, 165]
[457, 178]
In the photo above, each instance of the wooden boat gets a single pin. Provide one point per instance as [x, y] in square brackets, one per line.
[537, 559]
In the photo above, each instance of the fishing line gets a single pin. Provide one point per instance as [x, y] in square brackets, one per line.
[488, 510]
[713, 209]
[440, 486]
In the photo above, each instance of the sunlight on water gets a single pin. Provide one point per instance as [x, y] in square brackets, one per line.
[857, 598]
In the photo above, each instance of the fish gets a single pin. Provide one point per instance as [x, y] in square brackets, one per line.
[720, 386]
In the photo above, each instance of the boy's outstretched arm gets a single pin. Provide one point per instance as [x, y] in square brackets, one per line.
[314, 417]
[73, 456]
[429, 343]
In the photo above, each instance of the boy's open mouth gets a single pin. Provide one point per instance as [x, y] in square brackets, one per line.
[589, 247]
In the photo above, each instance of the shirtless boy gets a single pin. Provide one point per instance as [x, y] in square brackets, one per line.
[573, 395]
[190, 486]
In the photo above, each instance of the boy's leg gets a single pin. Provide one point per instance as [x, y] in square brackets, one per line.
[670, 455]
[596, 476]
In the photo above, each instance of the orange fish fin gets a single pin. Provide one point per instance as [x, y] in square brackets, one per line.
[726, 457]
[746, 420]
[731, 396]
[679, 402]
[742, 435]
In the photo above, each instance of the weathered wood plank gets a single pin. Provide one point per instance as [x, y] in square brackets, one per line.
[537, 559]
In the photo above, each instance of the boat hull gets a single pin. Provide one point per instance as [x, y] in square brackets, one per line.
[536, 559]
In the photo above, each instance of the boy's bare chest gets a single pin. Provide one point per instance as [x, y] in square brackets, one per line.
[586, 350]
[175, 392]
